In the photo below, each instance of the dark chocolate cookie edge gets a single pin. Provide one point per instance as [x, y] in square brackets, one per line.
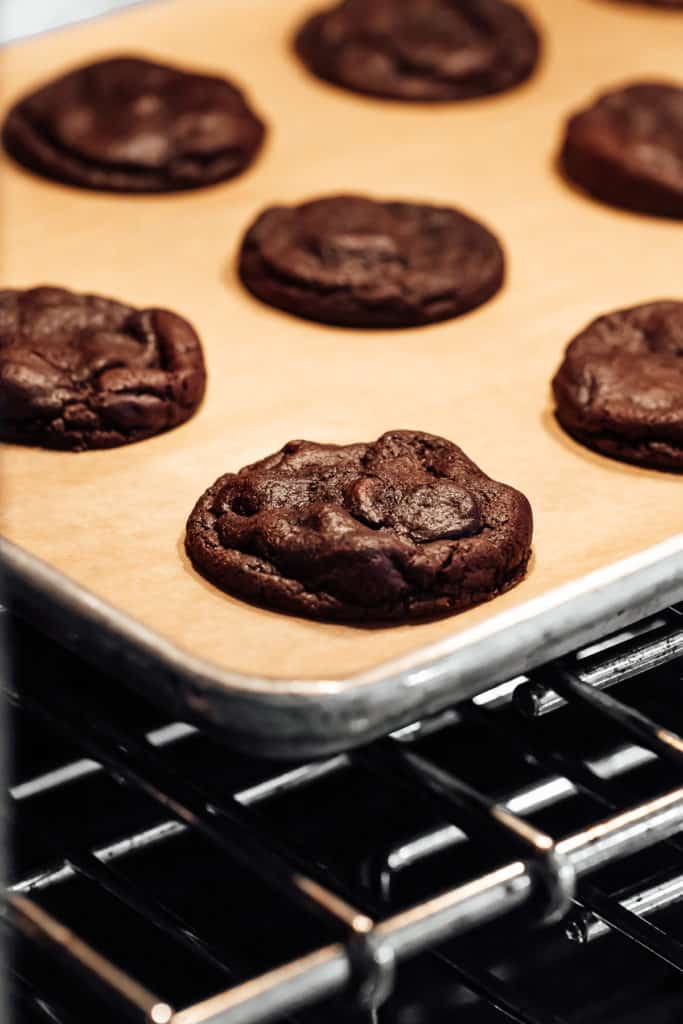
[251, 578]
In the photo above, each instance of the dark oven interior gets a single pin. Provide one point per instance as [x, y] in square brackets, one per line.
[156, 875]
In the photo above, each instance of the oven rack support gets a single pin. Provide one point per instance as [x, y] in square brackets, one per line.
[369, 943]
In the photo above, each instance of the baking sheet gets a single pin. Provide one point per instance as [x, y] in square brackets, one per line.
[113, 521]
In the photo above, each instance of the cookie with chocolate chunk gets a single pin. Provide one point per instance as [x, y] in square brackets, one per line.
[406, 527]
[626, 148]
[421, 49]
[129, 125]
[357, 262]
[620, 387]
[79, 371]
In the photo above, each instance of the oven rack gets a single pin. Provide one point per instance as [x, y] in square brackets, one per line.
[537, 873]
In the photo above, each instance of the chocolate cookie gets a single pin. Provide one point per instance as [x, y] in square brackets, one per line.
[620, 387]
[79, 371]
[421, 49]
[360, 263]
[127, 125]
[403, 528]
[627, 148]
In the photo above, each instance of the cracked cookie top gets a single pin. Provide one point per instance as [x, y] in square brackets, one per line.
[80, 371]
[352, 260]
[401, 528]
[620, 386]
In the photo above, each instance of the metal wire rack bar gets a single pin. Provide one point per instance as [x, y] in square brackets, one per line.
[621, 919]
[369, 965]
[639, 727]
[599, 779]
[88, 866]
[453, 798]
[37, 924]
[642, 653]
[443, 917]
[660, 894]
[225, 824]
[329, 969]
[612, 913]
[537, 797]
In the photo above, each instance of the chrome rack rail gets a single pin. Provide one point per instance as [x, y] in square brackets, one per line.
[544, 876]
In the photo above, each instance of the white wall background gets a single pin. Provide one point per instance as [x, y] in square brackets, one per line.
[26, 17]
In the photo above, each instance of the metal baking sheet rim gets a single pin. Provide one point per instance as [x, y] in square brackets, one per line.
[311, 717]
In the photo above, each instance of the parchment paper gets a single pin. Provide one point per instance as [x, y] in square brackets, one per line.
[114, 520]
